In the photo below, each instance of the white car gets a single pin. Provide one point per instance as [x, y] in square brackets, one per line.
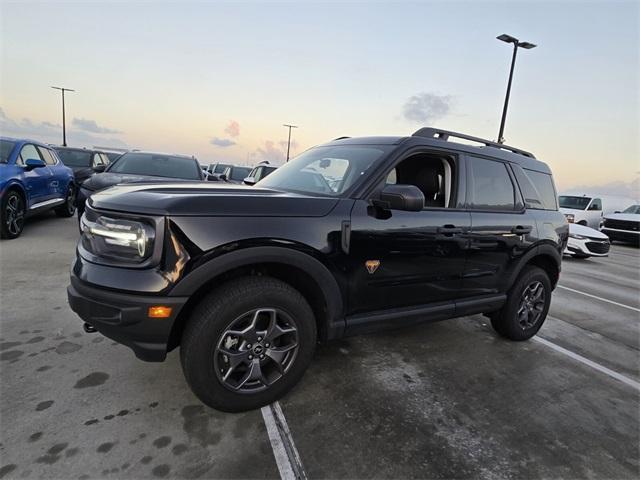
[589, 209]
[624, 226]
[585, 242]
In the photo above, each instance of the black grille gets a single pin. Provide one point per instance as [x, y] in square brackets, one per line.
[622, 224]
[598, 247]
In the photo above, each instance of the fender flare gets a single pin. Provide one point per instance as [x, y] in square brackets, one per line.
[17, 185]
[325, 280]
[542, 250]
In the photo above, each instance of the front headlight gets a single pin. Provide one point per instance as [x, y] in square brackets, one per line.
[577, 237]
[117, 238]
[570, 217]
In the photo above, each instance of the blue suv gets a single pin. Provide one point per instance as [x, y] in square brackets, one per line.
[32, 179]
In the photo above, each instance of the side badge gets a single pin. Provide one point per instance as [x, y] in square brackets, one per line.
[372, 266]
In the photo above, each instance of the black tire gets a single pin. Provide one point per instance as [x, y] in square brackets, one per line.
[507, 321]
[68, 208]
[12, 213]
[207, 333]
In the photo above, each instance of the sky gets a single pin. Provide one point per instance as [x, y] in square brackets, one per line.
[219, 79]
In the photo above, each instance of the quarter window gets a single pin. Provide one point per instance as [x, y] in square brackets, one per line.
[543, 184]
[28, 152]
[491, 185]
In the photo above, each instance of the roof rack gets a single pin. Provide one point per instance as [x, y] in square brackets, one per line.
[445, 134]
[339, 138]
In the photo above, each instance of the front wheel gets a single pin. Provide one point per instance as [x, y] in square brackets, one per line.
[247, 343]
[68, 208]
[12, 216]
[526, 307]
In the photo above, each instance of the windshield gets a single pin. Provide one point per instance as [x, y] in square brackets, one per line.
[632, 209]
[577, 203]
[113, 156]
[239, 173]
[327, 170]
[75, 158]
[6, 147]
[157, 165]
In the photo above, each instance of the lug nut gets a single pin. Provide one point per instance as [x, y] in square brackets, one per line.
[259, 339]
[262, 356]
[250, 357]
[267, 344]
[248, 345]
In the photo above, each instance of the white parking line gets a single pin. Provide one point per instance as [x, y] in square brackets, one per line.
[600, 298]
[590, 363]
[284, 450]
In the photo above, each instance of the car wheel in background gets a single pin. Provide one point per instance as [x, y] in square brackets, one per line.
[12, 215]
[247, 343]
[67, 209]
[526, 307]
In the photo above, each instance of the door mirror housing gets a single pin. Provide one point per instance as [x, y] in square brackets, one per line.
[594, 207]
[249, 181]
[400, 197]
[99, 168]
[32, 163]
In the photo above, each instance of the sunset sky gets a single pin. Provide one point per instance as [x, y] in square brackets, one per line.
[218, 80]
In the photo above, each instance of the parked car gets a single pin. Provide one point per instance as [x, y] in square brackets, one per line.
[259, 172]
[589, 209]
[585, 242]
[245, 281]
[625, 226]
[32, 179]
[218, 168]
[235, 174]
[136, 167]
[84, 162]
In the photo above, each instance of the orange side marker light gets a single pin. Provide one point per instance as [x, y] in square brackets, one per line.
[159, 312]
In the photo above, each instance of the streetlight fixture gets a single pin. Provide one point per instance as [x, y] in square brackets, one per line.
[64, 127]
[516, 43]
[289, 141]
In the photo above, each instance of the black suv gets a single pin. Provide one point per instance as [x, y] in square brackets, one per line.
[351, 236]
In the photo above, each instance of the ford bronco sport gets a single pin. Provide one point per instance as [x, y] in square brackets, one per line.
[352, 236]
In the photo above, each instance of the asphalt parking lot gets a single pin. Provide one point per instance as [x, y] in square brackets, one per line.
[442, 400]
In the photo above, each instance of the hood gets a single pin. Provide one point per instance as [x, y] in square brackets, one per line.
[576, 229]
[571, 210]
[628, 217]
[210, 198]
[100, 181]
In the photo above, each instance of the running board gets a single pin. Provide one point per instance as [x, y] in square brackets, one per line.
[47, 203]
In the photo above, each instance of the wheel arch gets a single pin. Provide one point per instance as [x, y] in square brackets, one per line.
[544, 256]
[300, 270]
[17, 186]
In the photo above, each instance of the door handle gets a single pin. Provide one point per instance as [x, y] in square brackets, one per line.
[449, 230]
[520, 230]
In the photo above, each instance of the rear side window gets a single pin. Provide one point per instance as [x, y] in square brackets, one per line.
[6, 147]
[46, 156]
[28, 152]
[537, 188]
[491, 186]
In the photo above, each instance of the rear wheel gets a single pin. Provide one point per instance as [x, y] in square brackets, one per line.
[12, 215]
[68, 208]
[526, 307]
[247, 343]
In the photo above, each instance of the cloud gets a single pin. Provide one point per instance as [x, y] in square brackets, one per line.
[274, 151]
[625, 189]
[426, 108]
[48, 132]
[92, 126]
[233, 129]
[222, 142]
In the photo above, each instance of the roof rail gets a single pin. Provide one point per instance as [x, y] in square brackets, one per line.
[445, 134]
[339, 138]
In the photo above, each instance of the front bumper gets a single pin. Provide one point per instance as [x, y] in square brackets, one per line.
[123, 317]
[588, 246]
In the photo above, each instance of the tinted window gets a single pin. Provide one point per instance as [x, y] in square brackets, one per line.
[46, 156]
[220, 167]
[112, 156]
[75, 158]
[6, 147]
[157, 165]
[97, 159]
[576, 203]
[532, 198]
[596, 205]
[239, 173]
[29, 152]
[544, 186]
[632, 209]
[492, 188]
[325, 170]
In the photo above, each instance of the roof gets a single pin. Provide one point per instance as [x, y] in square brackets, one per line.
[437, 138]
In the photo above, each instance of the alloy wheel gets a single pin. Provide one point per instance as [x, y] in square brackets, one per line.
[531, 305]
[71, 201]
[256, 350]
[14, 214]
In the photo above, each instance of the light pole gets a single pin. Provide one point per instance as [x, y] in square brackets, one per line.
[64, 127]
[516, 43]
[289, 141]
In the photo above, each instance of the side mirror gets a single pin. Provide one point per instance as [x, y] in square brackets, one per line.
[249, 181]
[594, 208]
[99, 168]
[32, 163]
[400, 197]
